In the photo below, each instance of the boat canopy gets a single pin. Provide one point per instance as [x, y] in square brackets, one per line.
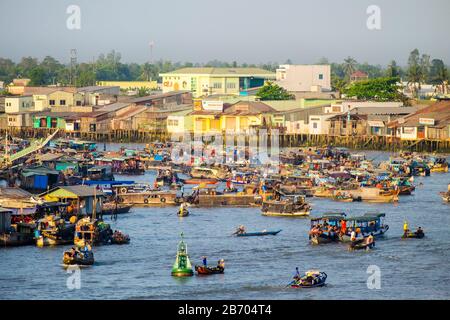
[330, 216]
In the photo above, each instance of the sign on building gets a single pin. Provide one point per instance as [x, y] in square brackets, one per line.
[212, 105]
[426, 121]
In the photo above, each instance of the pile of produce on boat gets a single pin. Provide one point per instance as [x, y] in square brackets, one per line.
[119, 238]
[311, 279]
[81, 257]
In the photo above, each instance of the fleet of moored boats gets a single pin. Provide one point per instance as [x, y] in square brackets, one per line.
[279, 190]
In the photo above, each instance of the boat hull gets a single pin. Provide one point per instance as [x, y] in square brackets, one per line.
[298, 214]
[202, 270]
[258, 234]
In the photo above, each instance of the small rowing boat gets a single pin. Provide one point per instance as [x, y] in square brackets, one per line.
[79, 258]
[183, 213]
[203, 270]
[200, 181]
[257, 234]
[413, 235]
[361, 244]
[312, 279]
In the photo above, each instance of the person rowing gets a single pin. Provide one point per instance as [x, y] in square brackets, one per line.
[240, 229]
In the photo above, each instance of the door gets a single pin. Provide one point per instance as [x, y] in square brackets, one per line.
[421, 132]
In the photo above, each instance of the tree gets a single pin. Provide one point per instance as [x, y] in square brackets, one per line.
[414, 72]
[37, 76]
[439, 74]
[349, 66]
[380, 89]
[338, 84]
[272, 91]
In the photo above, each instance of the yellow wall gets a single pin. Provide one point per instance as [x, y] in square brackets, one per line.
[70, 98]
[200, 85]
[207, 123]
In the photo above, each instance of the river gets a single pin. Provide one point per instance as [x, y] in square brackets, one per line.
[256, 268]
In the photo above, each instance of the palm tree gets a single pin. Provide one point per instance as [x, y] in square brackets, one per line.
[349, 66]
[146, 71]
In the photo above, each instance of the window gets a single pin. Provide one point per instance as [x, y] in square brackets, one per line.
[217, 85]
[51, 102]
[320, 76]
[231, 85]
[314, 125]
[78, 103]
[354, 124]
[62, 102]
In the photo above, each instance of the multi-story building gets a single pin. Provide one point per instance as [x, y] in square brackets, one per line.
[207, 81]
[19, 104]
[304, 78]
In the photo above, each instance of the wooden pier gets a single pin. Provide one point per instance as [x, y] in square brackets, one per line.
[369, 142]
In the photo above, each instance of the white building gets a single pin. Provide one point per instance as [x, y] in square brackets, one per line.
[19, 104]
[318, 124]
[304, 78]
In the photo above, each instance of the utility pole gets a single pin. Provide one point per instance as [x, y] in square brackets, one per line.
[73, 66]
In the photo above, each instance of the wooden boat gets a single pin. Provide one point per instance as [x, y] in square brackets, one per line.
[120, 238]
[52, 231]
[199, 181]
[208, 173]
[258, 234]
[332, 219]
[143, 195]
[413, 235]
[182, 266]
[445, 196]
[312, 279]
[361, 245]
[111, 208]
[209, 197]
[343, 198]
[92, 231]
[83, 258]
[296, 207]
[202, 270]
[370, 223]
[324, 192]
[376, 195]
[185, 213]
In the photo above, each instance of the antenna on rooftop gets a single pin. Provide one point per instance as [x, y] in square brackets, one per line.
[151, 44]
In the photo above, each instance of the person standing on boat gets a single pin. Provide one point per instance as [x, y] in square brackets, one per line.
[405, 228]
[352, 235]
[343, 227]
[205, 263]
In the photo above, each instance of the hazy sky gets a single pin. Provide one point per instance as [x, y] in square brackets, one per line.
[250, 31]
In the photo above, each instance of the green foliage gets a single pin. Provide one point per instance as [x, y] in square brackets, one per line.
[272, 91]
[380, 89]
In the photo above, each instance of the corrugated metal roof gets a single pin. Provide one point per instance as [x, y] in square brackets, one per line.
[223, 71]
[74, 192]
